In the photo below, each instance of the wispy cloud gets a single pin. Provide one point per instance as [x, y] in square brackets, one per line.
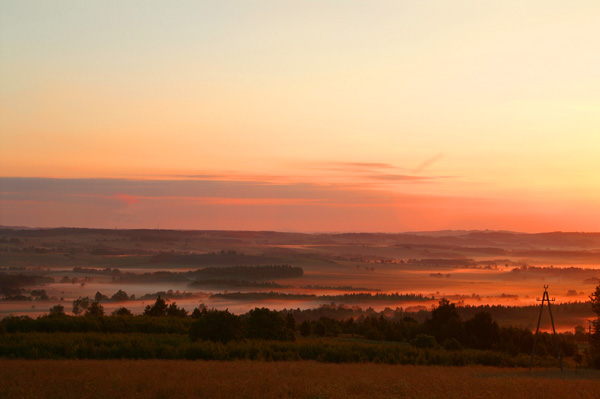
[202, 177]
[128, 199]
[391, 177]
[366, 174]
[352, 166]
[363, 165]
[428, 162]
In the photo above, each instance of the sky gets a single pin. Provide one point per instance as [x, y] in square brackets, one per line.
[383, 116]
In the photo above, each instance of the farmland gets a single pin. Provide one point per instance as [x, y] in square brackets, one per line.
[89, 379]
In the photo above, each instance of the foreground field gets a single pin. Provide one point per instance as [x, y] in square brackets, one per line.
[200, 379]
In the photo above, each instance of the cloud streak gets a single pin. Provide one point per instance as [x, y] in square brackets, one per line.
[427, 163]
[378, 172]
[128, 199]
[127, 189]
[247, 205]
[358, 165]
[391, 177]
[196, 203]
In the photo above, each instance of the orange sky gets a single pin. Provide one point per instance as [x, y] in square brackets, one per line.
[320, 116]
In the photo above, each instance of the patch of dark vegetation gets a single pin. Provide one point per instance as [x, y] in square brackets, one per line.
[440, 275]
[456, 262]
[559, 254]
[552, 270]
[12, 284]
[256, 273]
[95, 345]
[235, 283]
[338, 288]
[122, 296]
[149, 278]
[344, 298]
[106, 271]
[266, 272]
[442, 262]
[222, 258]
[169, 295]
[34, 295]
[258, 296]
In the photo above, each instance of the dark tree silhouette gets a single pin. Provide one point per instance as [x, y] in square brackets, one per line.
[290, 322]
[305, 328]
[57, 310]
[196, 313]
[216, 326]
[175, 311]
[445, 322]
[80, 305]
[119, 296]
[482, 331]
[267, 324]
[95, 310]
[99, 297]
[159, 308]
[122, 312]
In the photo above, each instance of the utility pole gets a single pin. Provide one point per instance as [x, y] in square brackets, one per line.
[546, 297]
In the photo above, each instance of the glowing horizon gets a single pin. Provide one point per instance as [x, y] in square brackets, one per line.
[388, 116]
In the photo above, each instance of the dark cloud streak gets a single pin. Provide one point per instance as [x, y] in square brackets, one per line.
[15, 188]
[391, 177]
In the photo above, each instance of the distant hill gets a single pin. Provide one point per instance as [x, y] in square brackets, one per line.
[451, 239]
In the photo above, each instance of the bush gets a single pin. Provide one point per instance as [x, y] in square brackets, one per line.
[424, 341]
[216, 326]
[122, 312]
[452, 344]
[268, 324]
[305, 328]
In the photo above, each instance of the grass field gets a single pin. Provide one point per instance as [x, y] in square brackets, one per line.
[83, 379]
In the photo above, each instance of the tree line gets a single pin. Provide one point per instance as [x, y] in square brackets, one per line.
[443, 330]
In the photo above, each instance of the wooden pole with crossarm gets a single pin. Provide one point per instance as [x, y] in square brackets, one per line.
[546, 297]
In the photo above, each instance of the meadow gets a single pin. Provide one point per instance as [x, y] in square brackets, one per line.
[156, 379]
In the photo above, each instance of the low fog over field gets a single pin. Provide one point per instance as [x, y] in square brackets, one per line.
[243, 270]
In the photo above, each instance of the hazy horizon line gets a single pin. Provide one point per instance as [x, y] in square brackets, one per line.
[3, 227]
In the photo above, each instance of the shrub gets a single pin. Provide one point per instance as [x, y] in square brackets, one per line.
[268, 324]
[424, 341]
[122, 312]
[305, 328]
[216, 326]
[452, 344]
